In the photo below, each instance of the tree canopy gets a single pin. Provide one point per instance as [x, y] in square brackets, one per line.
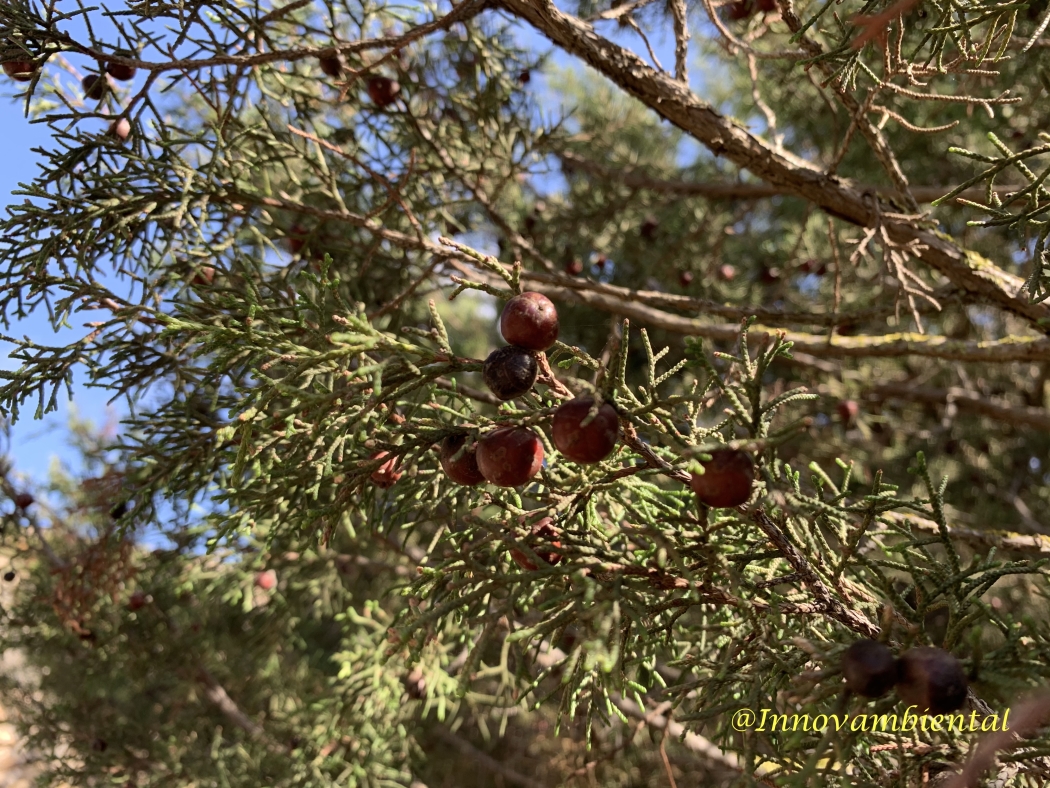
[367, 522]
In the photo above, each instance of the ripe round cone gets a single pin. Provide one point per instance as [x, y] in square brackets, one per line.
[296, 239]
[19, 70]
[331, 64]
[204, 277]
[464, 468]
[387, 473]
[870, 669]
[121, 129]
[119, 71]
[741, 9]
[510, 372]
[383, 91]
[727, 479]
[932, 680]
[415, 684]
[24, 500]
[510, 456]
[542, 534]
[585, 444]
[94, 86]
[848, 411]
[267, 580]
[529, 321]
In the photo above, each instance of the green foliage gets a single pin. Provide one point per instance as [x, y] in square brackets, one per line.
[292, 287]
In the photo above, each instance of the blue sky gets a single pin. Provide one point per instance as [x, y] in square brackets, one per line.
[34, 443]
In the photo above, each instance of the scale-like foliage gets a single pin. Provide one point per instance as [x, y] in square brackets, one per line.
[287, 265]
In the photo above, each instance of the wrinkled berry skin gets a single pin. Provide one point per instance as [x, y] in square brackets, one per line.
[529, 321]
[870, 669]
[387, 473]
[510, 456]
[463, 469]
[589, 444]
[19, 70]
[727, 479]
[510, 372]
[543, 531]
[383, 91]
[932, 680]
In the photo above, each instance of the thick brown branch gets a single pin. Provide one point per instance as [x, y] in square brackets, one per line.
[484, 760]
[704, 306]
[966, 401]
[1029, 544]
[674, 730]
[1010, 349]
[725, 137]
[894, 345]
[637, 178]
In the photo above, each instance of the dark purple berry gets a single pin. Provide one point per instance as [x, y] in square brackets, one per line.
[383, 91]
[932, 680]
[121, 72]
[331, 64]
[510, 372]
[869, 668]
[94, 86]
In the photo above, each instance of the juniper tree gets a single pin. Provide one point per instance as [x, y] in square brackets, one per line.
[800, 278]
